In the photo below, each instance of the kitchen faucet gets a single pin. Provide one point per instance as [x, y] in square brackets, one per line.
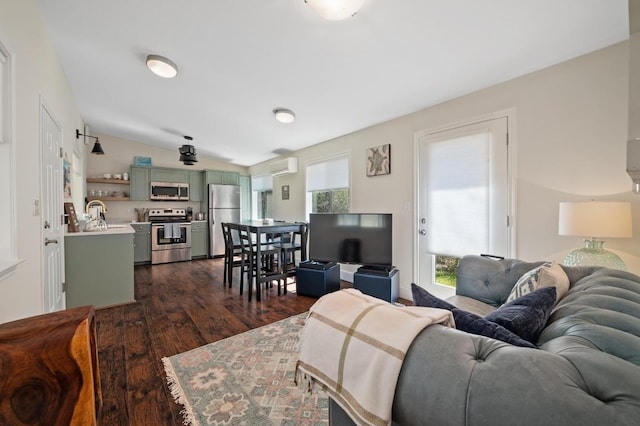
[100, 223]
[92, 202]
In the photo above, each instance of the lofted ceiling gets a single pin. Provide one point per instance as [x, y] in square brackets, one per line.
[240, 59]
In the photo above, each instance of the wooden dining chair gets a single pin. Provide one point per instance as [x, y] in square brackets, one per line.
[233, 255]
[290, 244]
[270, 255]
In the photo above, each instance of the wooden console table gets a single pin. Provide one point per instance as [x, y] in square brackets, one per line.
[49, 369]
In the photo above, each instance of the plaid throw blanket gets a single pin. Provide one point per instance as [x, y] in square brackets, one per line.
[352, 345]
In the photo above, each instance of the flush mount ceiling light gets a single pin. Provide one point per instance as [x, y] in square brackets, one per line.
[159, 65]
[188, 153]
[335, 10]
[284, 115]
[97, 148]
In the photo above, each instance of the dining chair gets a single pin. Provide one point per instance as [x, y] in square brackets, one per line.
[290, 244]
[267, 265]
[233, 255]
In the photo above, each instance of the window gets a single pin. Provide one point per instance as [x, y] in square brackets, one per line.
[8, 247]
[261, 196]
[328, 186]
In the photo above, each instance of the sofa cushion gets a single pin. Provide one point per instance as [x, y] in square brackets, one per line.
[526, 316]
[545, 275]
[467, 321]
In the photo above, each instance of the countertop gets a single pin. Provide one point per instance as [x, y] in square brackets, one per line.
[116, 228]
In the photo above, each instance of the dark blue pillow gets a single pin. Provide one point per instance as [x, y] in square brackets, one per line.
[527, 315]
[467, 321]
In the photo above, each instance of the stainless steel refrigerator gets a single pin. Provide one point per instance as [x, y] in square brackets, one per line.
[224, 206]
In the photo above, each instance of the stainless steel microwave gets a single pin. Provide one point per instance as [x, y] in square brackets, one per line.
[167, 191]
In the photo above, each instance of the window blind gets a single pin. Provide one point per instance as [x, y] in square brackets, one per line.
[331, 174]
[458, 205]
[262, 183]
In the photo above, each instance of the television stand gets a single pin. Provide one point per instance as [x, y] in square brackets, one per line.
[381, 282]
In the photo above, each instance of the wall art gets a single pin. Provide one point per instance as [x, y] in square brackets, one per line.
[379, 160]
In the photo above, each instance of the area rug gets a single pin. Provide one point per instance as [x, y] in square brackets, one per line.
[247, 379]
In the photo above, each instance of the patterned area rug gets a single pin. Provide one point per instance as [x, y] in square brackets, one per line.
[246, 379]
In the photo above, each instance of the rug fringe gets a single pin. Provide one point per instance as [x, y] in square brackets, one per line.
[189, 418]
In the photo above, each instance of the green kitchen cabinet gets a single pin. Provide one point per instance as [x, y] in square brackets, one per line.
[98, 269]
[161, 174]
[245, 198]
[199, 240]
[196, 185]
[140, 183]
[221, 177]
[141, 243]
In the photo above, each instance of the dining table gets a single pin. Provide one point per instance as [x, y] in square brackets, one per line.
[263, 230]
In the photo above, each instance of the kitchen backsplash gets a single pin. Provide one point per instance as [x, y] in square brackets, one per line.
[124, 211]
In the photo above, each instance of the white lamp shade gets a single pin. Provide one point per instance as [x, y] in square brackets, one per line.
[335, 10]
[162, 66]
[595, 219]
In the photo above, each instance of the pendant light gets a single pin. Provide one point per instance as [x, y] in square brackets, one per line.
[188, 153]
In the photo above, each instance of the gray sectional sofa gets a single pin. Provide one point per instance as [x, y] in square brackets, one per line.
[584, 371]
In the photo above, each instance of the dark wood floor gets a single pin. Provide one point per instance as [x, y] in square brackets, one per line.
[180, 306]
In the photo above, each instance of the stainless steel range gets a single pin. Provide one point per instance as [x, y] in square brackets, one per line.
[170, 235]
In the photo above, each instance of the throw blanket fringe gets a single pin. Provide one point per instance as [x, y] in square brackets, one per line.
[353, 345]
[189, 418]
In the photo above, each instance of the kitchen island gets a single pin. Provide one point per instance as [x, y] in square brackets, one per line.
[99, 267]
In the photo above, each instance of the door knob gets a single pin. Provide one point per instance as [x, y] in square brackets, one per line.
[47, 241]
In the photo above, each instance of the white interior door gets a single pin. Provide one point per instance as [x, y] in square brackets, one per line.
[51, 211]
[463, 196]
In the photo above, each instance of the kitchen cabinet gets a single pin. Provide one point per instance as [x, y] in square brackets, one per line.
[99, 268]
[245, 197]
[221, 177]
[107, 189]
[141, 243]
[196, 185]
[140, 183]
[161, 174]
[199, 239]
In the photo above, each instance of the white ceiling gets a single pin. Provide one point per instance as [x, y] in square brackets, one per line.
[240, 59]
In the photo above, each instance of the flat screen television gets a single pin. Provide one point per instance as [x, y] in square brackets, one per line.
[359, 238]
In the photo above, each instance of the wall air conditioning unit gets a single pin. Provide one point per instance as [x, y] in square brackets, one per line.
[283, 167]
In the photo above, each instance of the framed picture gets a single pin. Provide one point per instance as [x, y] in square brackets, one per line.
[285, 192]
[66, 173]
[379, 160]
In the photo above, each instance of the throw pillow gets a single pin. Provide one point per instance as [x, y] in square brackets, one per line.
[527, 315]
[545, 275]
[467, 321]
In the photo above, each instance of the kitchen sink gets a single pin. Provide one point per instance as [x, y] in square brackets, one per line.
[109, 227]
[116, 225]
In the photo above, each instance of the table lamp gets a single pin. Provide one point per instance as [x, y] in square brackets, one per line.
[594, 220]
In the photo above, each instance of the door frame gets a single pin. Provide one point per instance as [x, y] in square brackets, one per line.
[510, 114]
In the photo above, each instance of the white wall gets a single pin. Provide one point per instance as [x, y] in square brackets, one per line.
[569, 143]
[38, 75]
